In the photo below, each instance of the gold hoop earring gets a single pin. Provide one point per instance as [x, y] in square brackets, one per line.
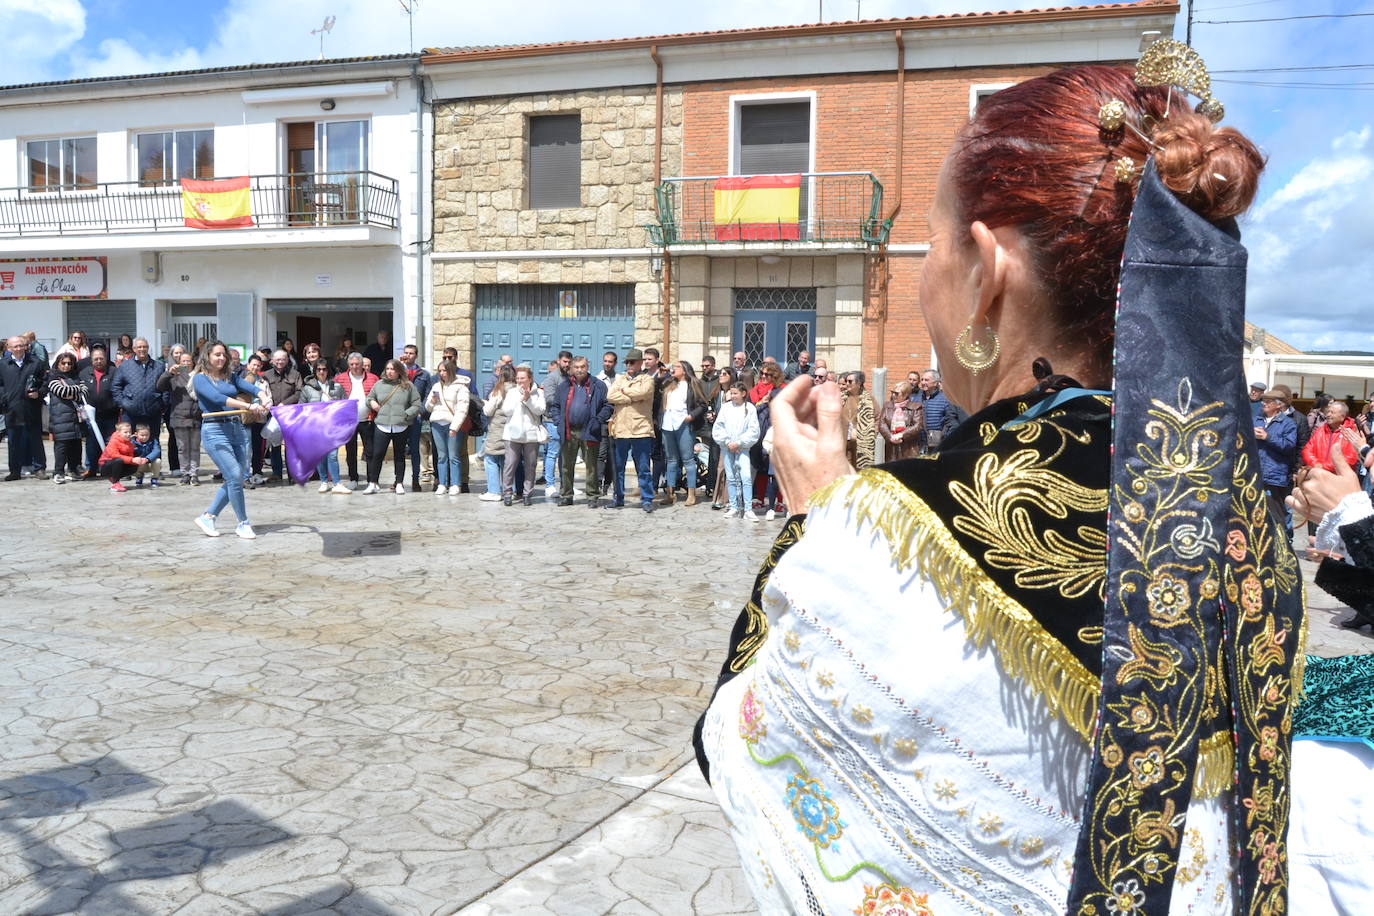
[979, 355]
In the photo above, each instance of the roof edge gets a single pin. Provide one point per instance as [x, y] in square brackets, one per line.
[852, 27]
[336, 63]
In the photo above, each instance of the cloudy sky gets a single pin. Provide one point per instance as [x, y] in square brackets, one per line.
[1310, 236]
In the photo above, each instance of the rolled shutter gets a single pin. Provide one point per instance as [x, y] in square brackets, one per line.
[775, 139]
[555, 161]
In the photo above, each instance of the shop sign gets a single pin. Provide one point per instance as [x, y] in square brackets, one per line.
[52, 278]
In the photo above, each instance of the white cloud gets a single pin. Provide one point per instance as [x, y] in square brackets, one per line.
[1311, 277]
[36, 35]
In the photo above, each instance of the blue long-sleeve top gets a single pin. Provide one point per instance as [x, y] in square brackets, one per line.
[212, 394]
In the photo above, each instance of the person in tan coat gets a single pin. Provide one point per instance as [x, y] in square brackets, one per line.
[632, 427]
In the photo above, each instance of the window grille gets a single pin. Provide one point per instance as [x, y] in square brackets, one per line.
[799, 298]
[597, 301]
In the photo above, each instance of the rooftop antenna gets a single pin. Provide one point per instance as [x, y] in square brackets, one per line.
[322, 31]
[409, 6]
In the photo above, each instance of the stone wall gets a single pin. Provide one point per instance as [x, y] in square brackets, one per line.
[481, 163]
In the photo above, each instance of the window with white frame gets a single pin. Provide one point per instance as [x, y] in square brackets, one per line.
[64, 163]
[979, 91]
[169, 155]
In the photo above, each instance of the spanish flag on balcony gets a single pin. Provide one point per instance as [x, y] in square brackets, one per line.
[757, 207]
[216, 204]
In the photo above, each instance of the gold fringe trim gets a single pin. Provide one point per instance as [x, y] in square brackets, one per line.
[919, 539]
[1216, 765]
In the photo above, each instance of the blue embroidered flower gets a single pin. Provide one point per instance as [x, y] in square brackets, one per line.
[818, 818]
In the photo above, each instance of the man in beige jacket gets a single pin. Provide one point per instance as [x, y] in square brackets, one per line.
[632, 427]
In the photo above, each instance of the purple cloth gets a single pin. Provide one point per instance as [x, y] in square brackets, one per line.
[311, 431]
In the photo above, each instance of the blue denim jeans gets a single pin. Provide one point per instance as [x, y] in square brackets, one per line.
[494, 464]
[643, 451]
[739, 477]
[329, 467]
[677, 446]
[448, 454]
[551, 449]
[227, 445]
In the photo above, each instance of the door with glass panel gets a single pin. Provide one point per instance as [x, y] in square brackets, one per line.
[327, 166]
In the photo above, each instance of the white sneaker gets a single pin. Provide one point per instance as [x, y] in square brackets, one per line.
[441, 491]
[324, 487]
[58, 478]
[769, 515]
[400, 489]
[341, 489]
[206, 523]
[245, 531]
[370, 489]
[732, 513]
[490, 497]
[550, 492]
[749, 516]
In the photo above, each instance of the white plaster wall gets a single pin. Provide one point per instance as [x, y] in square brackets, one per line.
[249, 140]
[354, 273]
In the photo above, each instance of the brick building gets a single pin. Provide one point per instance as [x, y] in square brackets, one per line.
[591, 195]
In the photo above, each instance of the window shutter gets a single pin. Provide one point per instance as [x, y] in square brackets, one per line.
[300, 135]
[555, 167]
[102, 320]
[775, 139]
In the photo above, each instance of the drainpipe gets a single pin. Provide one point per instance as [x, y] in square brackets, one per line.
[665, 296]
[421, 326]
[900, 138]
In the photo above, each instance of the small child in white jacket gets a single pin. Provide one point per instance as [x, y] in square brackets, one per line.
[736, 430]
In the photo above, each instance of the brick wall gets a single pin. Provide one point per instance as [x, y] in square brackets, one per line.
[856, 119]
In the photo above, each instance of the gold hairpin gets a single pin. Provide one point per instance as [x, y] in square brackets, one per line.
[1112, 115]
[1169, 62]
[1126, 170]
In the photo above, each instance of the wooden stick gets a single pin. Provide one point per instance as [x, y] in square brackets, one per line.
[236, 412]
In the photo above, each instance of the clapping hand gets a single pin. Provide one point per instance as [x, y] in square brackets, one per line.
[1318, 491]
[808, 439]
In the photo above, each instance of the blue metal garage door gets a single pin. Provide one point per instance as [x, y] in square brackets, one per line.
[533, 321]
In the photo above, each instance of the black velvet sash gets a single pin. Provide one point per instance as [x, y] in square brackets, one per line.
[1202, 588]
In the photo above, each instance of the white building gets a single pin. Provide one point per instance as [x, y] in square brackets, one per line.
[92, 230]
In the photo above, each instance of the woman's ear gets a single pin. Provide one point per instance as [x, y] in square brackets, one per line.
[988, 271]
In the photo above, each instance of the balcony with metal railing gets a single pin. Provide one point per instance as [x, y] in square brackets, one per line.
[811, 210]
[282, 201]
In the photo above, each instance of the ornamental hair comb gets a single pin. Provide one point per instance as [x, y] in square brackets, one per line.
[1169, 62]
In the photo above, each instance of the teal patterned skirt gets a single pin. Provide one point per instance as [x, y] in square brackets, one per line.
[1338, 700]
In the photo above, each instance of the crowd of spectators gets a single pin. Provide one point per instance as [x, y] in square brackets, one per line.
[692, 436]
[1291, 443]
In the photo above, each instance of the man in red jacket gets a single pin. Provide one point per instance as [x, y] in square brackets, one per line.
[357, 384]
[1317, 452]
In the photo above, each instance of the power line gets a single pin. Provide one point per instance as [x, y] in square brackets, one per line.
[1282, 18]
[1239, 5]
[1343, 87]
[1300, 69]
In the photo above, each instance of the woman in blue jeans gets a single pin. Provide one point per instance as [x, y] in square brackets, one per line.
[225, 439]
[684, 405]
[448, 407]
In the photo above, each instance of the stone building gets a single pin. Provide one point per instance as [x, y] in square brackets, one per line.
[758, 189]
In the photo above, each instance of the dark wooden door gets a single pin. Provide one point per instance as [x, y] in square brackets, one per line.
[308, 331]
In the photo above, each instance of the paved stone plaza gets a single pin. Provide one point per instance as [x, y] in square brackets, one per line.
[385, 704]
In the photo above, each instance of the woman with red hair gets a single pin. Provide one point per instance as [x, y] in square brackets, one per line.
[1051, 667]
